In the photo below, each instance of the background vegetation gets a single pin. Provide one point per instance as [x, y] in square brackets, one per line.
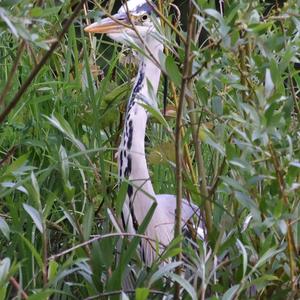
[59, 200]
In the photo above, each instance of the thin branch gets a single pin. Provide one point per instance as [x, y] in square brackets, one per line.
[8, 155]
[284, 197]
[112, 293]
[167, 21]
[17, 286]
[101, 237]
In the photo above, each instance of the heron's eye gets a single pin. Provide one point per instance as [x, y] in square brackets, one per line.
[144, 17]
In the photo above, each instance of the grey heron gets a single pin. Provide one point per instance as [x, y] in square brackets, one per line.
[131, 153]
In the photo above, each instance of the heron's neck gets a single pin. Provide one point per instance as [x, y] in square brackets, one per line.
[151, 74]
[132, 161]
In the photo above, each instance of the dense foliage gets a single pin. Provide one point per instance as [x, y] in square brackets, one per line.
[59, 200]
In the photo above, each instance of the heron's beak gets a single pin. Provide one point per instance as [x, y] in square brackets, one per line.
[109, 25]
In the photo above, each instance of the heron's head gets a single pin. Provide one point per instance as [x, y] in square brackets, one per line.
[119, 28]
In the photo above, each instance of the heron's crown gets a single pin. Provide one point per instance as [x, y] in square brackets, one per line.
[137, 7]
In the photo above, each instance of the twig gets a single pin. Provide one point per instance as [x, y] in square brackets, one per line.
[112, 293]
[167, 21]
[8, 155]
[17, 286]
[39, 66]
[101, 237]
[216, 179]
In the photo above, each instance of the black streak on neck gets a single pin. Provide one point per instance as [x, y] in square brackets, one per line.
[137, 88]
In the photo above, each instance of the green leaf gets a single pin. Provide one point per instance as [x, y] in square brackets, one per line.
[163, 271]
[206, 136]
[4, 228]
[156, 114]
[19, 166]
[64, 162]
[34, 252]
[244, 255]
[173, 71]
[36, 190]
[121, 197]
[262, 281]
[185, 285]
[88, 221]
[233, 184]
[52, 269]
[116, 278]
[266, 257]
[213, 13]
[35, 216]
[8, 20]
[230, 294]
[41, 295]
[141, 293]
[4, 269]
[269, 84]
[64, 127]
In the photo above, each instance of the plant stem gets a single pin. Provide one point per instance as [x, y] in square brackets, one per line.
[17, 286]
[178, 144]
[284, 197]
[197, 144]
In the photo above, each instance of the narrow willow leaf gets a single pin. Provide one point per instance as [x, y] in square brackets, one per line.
[19, 166]
[213, 13]
[63, 126]
[230, 294]
[88, 221]
[173, 70]
[156, 114]
[70, 219]
[4, 228]
[7, 19]
[185, 285]
[64, 163]
[121, 197]
[13, 185]
[262, 281]
[234, 184]
[35, 216]
[4, 269]
[244, 255]
[163, 271]
[266, 257]
[36, 190]
[269, 85]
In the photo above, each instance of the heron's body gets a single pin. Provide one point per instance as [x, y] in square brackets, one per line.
[131, 154]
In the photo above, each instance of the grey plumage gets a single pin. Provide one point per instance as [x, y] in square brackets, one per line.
[131, 154]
